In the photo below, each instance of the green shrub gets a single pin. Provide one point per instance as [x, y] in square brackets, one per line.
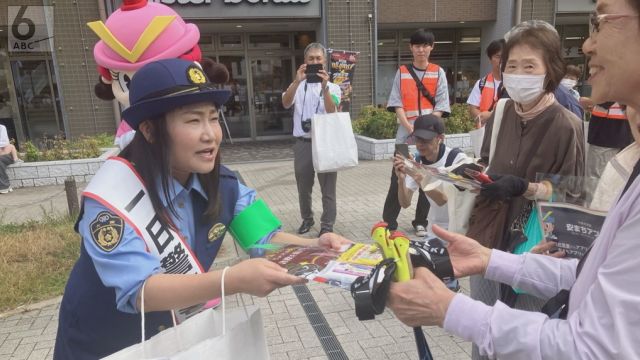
[104, 140]
[59, 148]
[460, 121]
[31, 152]
[376, 123]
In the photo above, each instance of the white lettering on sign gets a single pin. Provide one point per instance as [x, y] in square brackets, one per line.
[232, 2]
[267, 1]
[183, 2]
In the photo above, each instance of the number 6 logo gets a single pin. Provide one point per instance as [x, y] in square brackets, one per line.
[20, 20]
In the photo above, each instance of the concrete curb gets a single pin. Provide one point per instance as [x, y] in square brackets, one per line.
[30, 307]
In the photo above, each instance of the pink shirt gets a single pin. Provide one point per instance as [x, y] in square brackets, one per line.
[603, 321]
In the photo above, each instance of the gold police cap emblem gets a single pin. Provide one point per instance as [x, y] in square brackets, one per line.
[216, 232]
[195, 75]
[106, 230]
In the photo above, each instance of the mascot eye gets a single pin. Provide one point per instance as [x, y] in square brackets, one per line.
[124, 80]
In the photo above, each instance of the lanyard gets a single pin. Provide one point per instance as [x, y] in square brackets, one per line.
[304, 100]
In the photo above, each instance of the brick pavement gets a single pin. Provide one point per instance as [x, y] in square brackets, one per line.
[361, 193]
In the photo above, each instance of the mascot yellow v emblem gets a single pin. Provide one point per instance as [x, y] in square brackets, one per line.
[153, 30]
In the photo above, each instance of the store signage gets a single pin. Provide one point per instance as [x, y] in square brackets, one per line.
[231, 2]
[242, 9]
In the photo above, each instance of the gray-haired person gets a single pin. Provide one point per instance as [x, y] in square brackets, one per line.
[312, 93]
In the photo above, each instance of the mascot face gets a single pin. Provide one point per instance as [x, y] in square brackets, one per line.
[120, 85]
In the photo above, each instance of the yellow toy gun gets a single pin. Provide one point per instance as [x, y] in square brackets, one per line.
[393, 246]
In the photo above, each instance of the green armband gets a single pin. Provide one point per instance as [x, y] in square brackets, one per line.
[335, 99]
[252, 224]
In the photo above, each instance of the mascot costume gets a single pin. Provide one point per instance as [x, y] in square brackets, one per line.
[136, 34]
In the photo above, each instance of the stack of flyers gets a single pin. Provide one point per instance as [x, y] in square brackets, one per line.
[336, 268]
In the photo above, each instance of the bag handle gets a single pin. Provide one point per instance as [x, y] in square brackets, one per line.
[142, 316]
[224, 306]
[497, 123]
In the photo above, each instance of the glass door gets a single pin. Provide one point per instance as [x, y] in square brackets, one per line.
[38, 98]
[236, 110]
[270, 77]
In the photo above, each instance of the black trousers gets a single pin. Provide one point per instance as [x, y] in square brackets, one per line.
[392, 206]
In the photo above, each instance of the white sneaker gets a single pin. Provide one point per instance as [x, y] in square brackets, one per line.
[6, 191]
[421, 231]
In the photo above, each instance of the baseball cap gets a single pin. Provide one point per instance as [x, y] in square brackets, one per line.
[164, 85]
[428, 126]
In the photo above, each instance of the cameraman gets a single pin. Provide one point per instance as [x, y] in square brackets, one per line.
[312, 94]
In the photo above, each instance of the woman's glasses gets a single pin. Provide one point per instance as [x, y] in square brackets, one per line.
[595, 20]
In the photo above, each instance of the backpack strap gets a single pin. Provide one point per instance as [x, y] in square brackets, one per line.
[452, 156]
[482, 83]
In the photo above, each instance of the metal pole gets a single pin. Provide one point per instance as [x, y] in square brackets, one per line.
[517, 14]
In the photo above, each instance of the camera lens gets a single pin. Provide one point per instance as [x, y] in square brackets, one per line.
[306, 125]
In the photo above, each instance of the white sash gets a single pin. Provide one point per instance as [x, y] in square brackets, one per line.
[129, 199]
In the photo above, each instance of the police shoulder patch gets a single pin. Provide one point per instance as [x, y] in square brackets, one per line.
[106, 230]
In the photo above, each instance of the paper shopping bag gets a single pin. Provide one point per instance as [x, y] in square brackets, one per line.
[333, 144]
[201, 337]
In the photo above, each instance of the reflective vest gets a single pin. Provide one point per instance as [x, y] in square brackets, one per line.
[615, 112]
[411, 95]
[489, 96]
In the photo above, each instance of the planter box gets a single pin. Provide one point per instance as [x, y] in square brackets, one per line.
[41, 173]
[372, 149]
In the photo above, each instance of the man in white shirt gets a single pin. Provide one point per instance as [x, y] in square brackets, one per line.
[312, 94]
[488, 90]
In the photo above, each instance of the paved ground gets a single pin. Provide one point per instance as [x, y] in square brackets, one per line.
[30, 334]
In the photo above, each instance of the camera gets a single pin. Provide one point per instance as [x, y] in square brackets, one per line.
[306, 125]
[312, 73]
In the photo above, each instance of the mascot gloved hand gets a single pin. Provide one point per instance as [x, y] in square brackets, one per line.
[136, 34]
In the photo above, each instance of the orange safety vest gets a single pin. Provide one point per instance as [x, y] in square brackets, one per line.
[615, 112]
[489, 96]
[411, 95]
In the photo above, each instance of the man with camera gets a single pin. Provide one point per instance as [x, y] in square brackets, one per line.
[312, 93]
[419, 88]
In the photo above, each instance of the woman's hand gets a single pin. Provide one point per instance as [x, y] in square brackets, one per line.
[421, 301]
[467, 256]
[333, 241]
[258, 277]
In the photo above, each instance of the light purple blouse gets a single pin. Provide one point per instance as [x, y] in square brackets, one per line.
[603, 321]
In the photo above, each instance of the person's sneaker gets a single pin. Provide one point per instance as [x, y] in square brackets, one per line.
[6, 191]
[421, 231]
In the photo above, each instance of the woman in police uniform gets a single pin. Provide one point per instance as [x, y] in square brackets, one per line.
[155, 218]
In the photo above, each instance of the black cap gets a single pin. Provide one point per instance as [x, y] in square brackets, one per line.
[428, 126]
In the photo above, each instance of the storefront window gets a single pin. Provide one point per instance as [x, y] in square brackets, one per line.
[271, 41]
[231, 41]
[38, 98]
[7, 113]
[302, 39]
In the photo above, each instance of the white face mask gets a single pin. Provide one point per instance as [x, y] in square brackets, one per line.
[569, 83]
[524, 89]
